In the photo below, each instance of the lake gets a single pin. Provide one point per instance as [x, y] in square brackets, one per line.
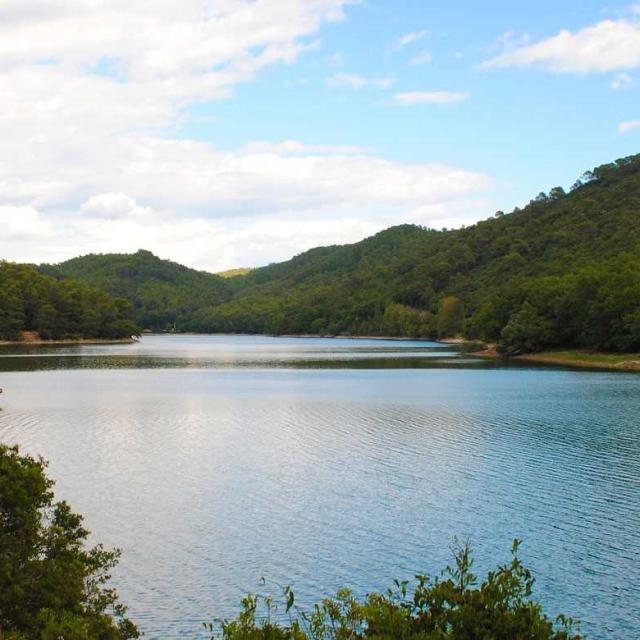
[214, 460]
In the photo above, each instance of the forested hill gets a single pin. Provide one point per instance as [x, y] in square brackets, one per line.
[32, 301]
[163, 293]
[562, 271]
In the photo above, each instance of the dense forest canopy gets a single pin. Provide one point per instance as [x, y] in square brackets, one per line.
[162, 293]
[562, 271]
[57, 310]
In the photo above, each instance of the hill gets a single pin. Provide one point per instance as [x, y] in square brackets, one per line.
[562, 271]
[163, 293]
[33, 302]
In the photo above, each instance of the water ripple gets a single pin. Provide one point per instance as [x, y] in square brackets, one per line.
[209, 478]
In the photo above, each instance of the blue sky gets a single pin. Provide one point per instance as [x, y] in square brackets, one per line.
[527, 128]
[234, 132]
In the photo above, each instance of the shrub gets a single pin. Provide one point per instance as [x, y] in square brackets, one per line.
[452, 607]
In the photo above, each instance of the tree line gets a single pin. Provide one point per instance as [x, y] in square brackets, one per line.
[58, 309]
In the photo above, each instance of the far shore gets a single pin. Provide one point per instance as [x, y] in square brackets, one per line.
[37, 342]
[296, 335]
[582, 358]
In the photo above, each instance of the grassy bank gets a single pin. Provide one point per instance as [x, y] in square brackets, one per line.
[575, 358]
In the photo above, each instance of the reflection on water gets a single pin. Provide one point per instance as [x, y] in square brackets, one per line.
[212, 461]
[185, 351]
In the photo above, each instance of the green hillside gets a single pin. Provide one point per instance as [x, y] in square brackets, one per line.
[163, 293]
[565, 270]
[32, 301]
[562, 271]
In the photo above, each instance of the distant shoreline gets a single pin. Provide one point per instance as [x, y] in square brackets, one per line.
[70, 342]
[580, 358]
[295, 335]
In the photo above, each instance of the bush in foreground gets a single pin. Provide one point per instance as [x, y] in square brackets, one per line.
[453, 607]
[51, 586]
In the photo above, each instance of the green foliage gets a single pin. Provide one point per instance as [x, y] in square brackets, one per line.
[32, 301]
[450, 317]
[472, 346]
[527, 331]
[452, 607]
[161, 292]
[400, 320]
[51, 586]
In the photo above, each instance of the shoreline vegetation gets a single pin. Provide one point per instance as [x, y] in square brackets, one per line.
[582, 358]
[38, 307]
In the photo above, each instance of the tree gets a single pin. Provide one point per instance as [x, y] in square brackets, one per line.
[526, 331]
[450, 317]
[51, 585]
[11, 315]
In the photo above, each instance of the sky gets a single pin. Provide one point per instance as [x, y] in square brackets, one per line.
[235, 133]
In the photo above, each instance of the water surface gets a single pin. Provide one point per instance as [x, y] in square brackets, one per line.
[213, 461]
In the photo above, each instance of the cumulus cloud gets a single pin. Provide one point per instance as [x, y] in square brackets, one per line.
[411, 98]
[356, 81]
[629, 125]
[22, 224]
[409, 38]
[111, 206]
[610, 45]
[93, 94]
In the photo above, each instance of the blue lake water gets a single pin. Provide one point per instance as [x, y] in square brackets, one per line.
[215, 460]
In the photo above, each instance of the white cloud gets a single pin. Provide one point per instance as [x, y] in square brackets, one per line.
[423, 57]
[111, 206]
[409, 38]
[609, 45]
[212, 209]
[93, 94]
[629, 125]
[411, 98]
[21, 224]
[356, 81]
[621, 81]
